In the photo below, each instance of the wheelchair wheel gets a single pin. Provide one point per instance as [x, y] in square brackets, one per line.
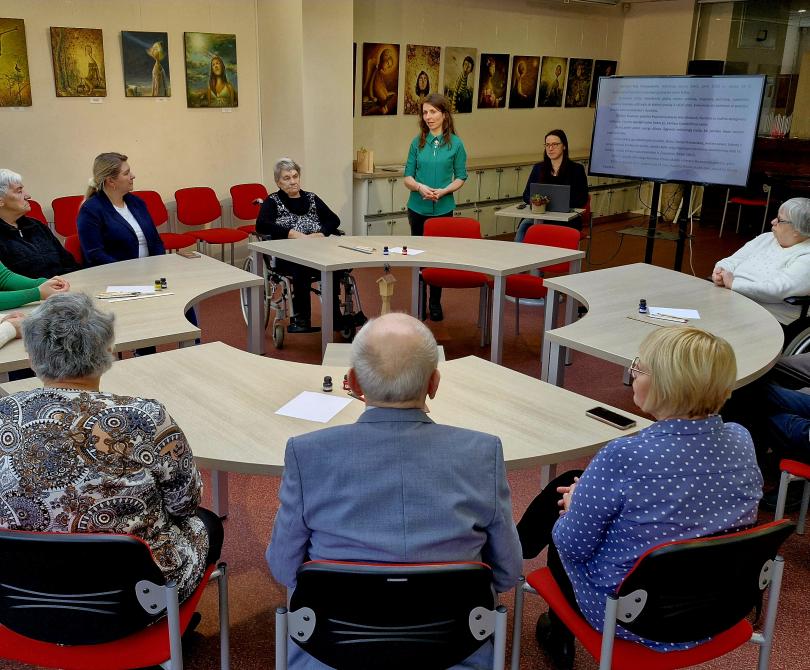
[278, 335]
[348, 334]
[243, 295]
[797, 340]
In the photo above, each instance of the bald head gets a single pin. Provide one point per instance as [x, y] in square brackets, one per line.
[394, 358]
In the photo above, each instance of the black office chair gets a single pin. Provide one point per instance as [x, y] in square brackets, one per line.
[94, 602]
[398, 617]
[679, 592]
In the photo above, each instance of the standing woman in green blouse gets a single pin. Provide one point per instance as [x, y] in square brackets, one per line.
[436, 168]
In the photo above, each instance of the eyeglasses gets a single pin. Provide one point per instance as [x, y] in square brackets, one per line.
[553, 145]
[779, 221]
[634, 368]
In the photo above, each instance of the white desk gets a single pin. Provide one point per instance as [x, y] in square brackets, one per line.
[526, 213]
[225, 400]
[612, 295]
[326, 254]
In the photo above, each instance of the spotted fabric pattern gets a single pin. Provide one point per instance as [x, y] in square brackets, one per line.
[92, 462]
[677, 479]
[305, 223]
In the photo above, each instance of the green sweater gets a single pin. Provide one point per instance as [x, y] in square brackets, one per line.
[435, 166]
[16, 290]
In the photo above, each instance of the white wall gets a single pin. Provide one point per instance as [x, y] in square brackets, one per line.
[656, 38]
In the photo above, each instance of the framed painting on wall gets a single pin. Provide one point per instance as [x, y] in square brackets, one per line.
[579, 82]
[211, 75]
[601, 68]
[459, 80]
[421, 75]
[15, 81]
[78, 62]
[523, 89]
[553, 71]
[146, 64]
[492, 81]
[380, 79]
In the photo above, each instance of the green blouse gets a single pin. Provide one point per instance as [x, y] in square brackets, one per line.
[436, 165]
[16, 290]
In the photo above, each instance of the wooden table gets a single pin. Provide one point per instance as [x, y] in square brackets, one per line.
[225, 400]
[612, 295]
[526, 213]
[326, 254]
[149, 321]
[340, 353]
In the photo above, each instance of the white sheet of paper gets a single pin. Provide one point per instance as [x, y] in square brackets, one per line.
[130, 289]
[320, 407]
[411, 252]
[674, 311]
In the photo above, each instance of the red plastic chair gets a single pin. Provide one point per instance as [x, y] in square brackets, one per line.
[793, 471]
[244, 208]
[530, 287]
[457, 226]
[747, 201]
[198, 206]
[65, 212]
[160, 216]
[74, 248]
[36, 212]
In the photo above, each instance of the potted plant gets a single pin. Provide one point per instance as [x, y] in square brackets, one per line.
[539, 203]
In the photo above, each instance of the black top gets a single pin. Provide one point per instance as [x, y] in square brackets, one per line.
[573, 175]
[267, 225]
[32, 250]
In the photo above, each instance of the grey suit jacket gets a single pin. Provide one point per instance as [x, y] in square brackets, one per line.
[395, 487]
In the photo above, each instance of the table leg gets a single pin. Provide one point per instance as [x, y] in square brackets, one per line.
[547, 473]
[186, 343]
[255, 320]
[415, 297]
[552, 355]
[496, 347]
[327, 322]
[219, 493]
[570, 305]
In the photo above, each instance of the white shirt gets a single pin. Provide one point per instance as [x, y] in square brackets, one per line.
[143, 247]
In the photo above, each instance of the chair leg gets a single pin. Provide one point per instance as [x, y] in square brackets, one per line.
[725, 208]
[517, 620]
[232, 253]
[803, 510]
[224, 619]
[483, 301]
[767, 189]
[517, 316]
[608, 633]
[782, 496]
[499, 659]
[281, 638]
[739, 214]
[766, 643]
[222, 252]
[173, 624]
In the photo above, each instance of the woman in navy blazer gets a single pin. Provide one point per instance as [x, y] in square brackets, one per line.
[113, 224]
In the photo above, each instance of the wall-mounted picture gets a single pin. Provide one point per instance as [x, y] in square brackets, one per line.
[601, 68]
[579, 82]
[421, 75]
[15, 82]
[78, 62]
[459, 78]
[146, 64]
[492, 81]
[523, 88]
[553, 71]
[211, 75]
[380, 79]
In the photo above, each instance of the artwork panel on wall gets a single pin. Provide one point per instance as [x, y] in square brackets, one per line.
[421, 75]
[78, 62]
[601, 68]
[459, 80]
[146, 64]
[211, 74]
[523, 89]
[15, 80]
[579, 82]
[380, 79]
[553, 72]
[492, 81]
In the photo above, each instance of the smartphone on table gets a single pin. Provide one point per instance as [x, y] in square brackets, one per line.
[610, 417]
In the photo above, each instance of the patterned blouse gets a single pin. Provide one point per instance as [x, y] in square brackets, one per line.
[94, 462]
[678, 479]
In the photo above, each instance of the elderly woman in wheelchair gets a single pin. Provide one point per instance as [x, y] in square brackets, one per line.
[292, 213]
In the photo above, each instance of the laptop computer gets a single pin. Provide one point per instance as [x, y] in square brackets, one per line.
[560, 195]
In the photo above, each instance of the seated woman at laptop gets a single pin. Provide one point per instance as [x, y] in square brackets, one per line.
[556, 168]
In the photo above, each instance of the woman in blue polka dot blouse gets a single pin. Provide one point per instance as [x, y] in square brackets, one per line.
[687, 475]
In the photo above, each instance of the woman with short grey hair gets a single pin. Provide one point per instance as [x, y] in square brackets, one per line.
[77, 459]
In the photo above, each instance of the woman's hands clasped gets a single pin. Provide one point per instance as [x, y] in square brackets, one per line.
[53, 285]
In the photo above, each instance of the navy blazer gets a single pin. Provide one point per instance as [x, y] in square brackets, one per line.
[105, 235]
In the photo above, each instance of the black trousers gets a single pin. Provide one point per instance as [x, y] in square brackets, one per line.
[417, 222]
[302, 278]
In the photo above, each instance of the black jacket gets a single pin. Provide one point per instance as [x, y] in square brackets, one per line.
[32, 250]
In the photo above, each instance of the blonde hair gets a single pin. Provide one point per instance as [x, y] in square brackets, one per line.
[106, 165]
[692, 372]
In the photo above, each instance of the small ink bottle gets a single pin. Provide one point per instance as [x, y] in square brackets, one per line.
[346, 383]
[404, 250]
[158, 285]
[385, 251]
[163, 283]
[642, 306]
[327, 384]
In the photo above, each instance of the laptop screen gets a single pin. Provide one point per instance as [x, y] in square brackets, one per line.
[560, 195]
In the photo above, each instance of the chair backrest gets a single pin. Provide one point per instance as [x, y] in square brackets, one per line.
[74, 247]
[694, 589]
[36, 212]
[452, 226]
[78, 588]
[550, 235]
[242, 197]
[154, 203]
[397, 616]
[65, 211]
[197, 205]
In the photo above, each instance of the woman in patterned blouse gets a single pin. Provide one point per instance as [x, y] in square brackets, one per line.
[687, 475]
[74, 459]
